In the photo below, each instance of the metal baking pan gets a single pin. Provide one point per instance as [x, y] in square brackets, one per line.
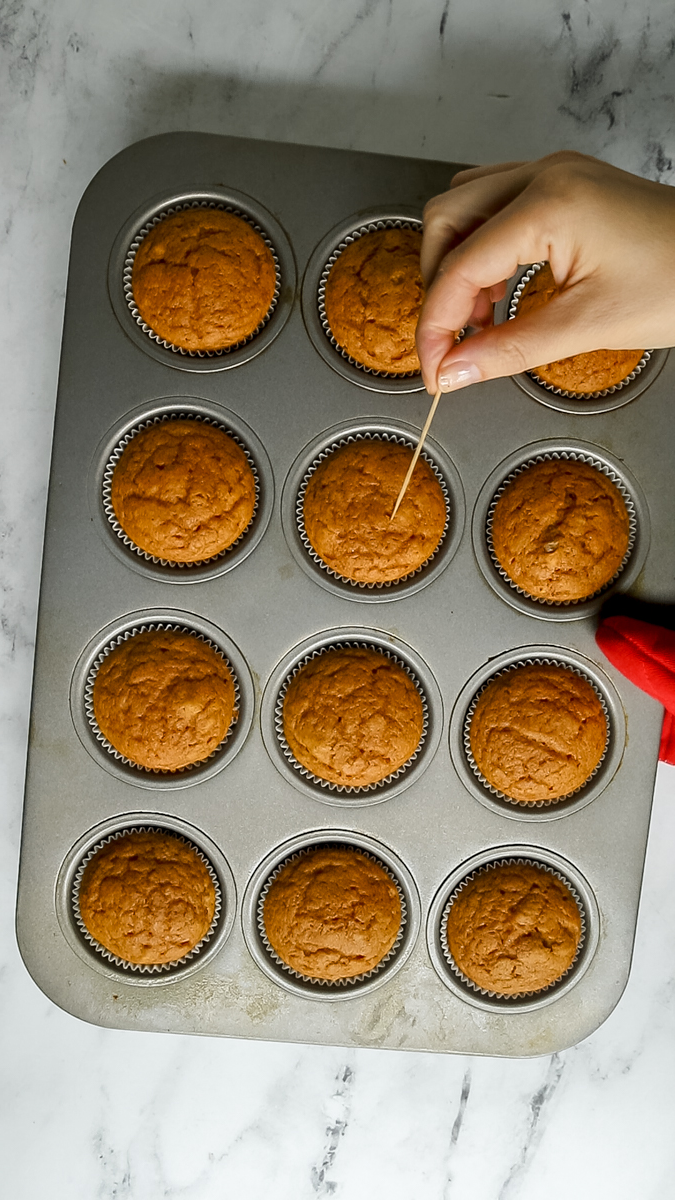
[285, 394]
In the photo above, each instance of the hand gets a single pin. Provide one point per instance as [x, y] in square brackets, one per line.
[609, 238]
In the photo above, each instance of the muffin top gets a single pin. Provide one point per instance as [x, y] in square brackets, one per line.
[332, 913]
[373, 298]
[583, 373]
[183, 490]
[203, 279]
[538, 732]
[352, 716]
[147, 897]
[514, 928]
[164, 699]
[348, 505]
[560, 530]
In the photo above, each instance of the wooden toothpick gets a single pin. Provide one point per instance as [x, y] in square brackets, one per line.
[418, 449]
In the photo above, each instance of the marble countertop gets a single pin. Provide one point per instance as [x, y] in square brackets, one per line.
[89, 1112]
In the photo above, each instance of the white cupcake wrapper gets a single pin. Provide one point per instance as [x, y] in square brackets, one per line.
[300, 503]
[371, 227]
[153, 627]
[129, 266]
[329, 984]
[556, 391]
[107, 489]
[532, 662]
[564, 456]
[326, 784]
[515, 997]
[122, 963]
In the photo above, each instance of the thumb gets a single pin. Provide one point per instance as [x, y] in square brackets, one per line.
[559, 330]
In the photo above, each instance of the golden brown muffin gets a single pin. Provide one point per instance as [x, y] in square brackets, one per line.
[203, 279]
[514, 928]
[538, 732]
[164, 699]
[183, 490]
[147, 897]
[332, 914]
[373, 298]
[352, 716]
[560, 530]
[582, 373]
[348, 505]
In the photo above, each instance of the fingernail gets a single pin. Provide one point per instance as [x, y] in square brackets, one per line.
[458, 375]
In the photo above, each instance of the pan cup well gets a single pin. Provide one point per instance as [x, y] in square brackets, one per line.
[103, 960]
[318, 988]
[481, 863]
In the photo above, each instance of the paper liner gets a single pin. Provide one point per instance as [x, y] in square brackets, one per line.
[371, 227]
[107, 489]
[617, 387]
[341, 788]
[153, 627]
[300, 503]
[514, 996]
[532, 662]
[171, 211]
[565, 456]
[330, 984]
[144, 968]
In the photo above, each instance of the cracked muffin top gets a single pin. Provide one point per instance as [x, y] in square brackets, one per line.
[203, 279]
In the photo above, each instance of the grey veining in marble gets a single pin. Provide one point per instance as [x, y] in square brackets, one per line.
[91, 1113]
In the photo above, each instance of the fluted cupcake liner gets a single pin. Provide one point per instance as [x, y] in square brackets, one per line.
[124, 964]
[300, 509]
[564, 456]
[371, 227]
[330, 984]
[556, 391]
[532, 662]
[153, 627]
[171, 211]
[326, 783]
[515, 997]
[110, 470]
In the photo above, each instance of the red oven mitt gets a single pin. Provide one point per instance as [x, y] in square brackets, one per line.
[646, 655]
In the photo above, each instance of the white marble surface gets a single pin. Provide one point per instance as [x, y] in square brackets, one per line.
[91, 1113]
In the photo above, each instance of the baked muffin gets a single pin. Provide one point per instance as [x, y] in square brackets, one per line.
[147, 897]
[203, 279]
[583, 373]
[348, 505]
[332, 913]
[183, 490]
[560, 530]
[373, 298]
[538, 732]
[164, 699]
[514, 928]
[352, 716]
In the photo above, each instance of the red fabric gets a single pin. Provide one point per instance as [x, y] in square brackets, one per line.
[646, 655]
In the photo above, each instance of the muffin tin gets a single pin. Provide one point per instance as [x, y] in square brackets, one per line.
[287, 395]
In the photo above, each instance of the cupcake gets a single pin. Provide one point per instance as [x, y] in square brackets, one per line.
[560, 530]
[538, 732]
[373, 298]
[164, 699]
[183, 491]
[147, 897]
[203, 279]
[352, 716]
[347, 509]
[513, 928]
[587, 373]
[332, 913]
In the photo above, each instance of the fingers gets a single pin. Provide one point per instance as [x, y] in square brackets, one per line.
[478, 172]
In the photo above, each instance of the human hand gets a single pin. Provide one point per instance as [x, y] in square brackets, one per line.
[609, 238]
